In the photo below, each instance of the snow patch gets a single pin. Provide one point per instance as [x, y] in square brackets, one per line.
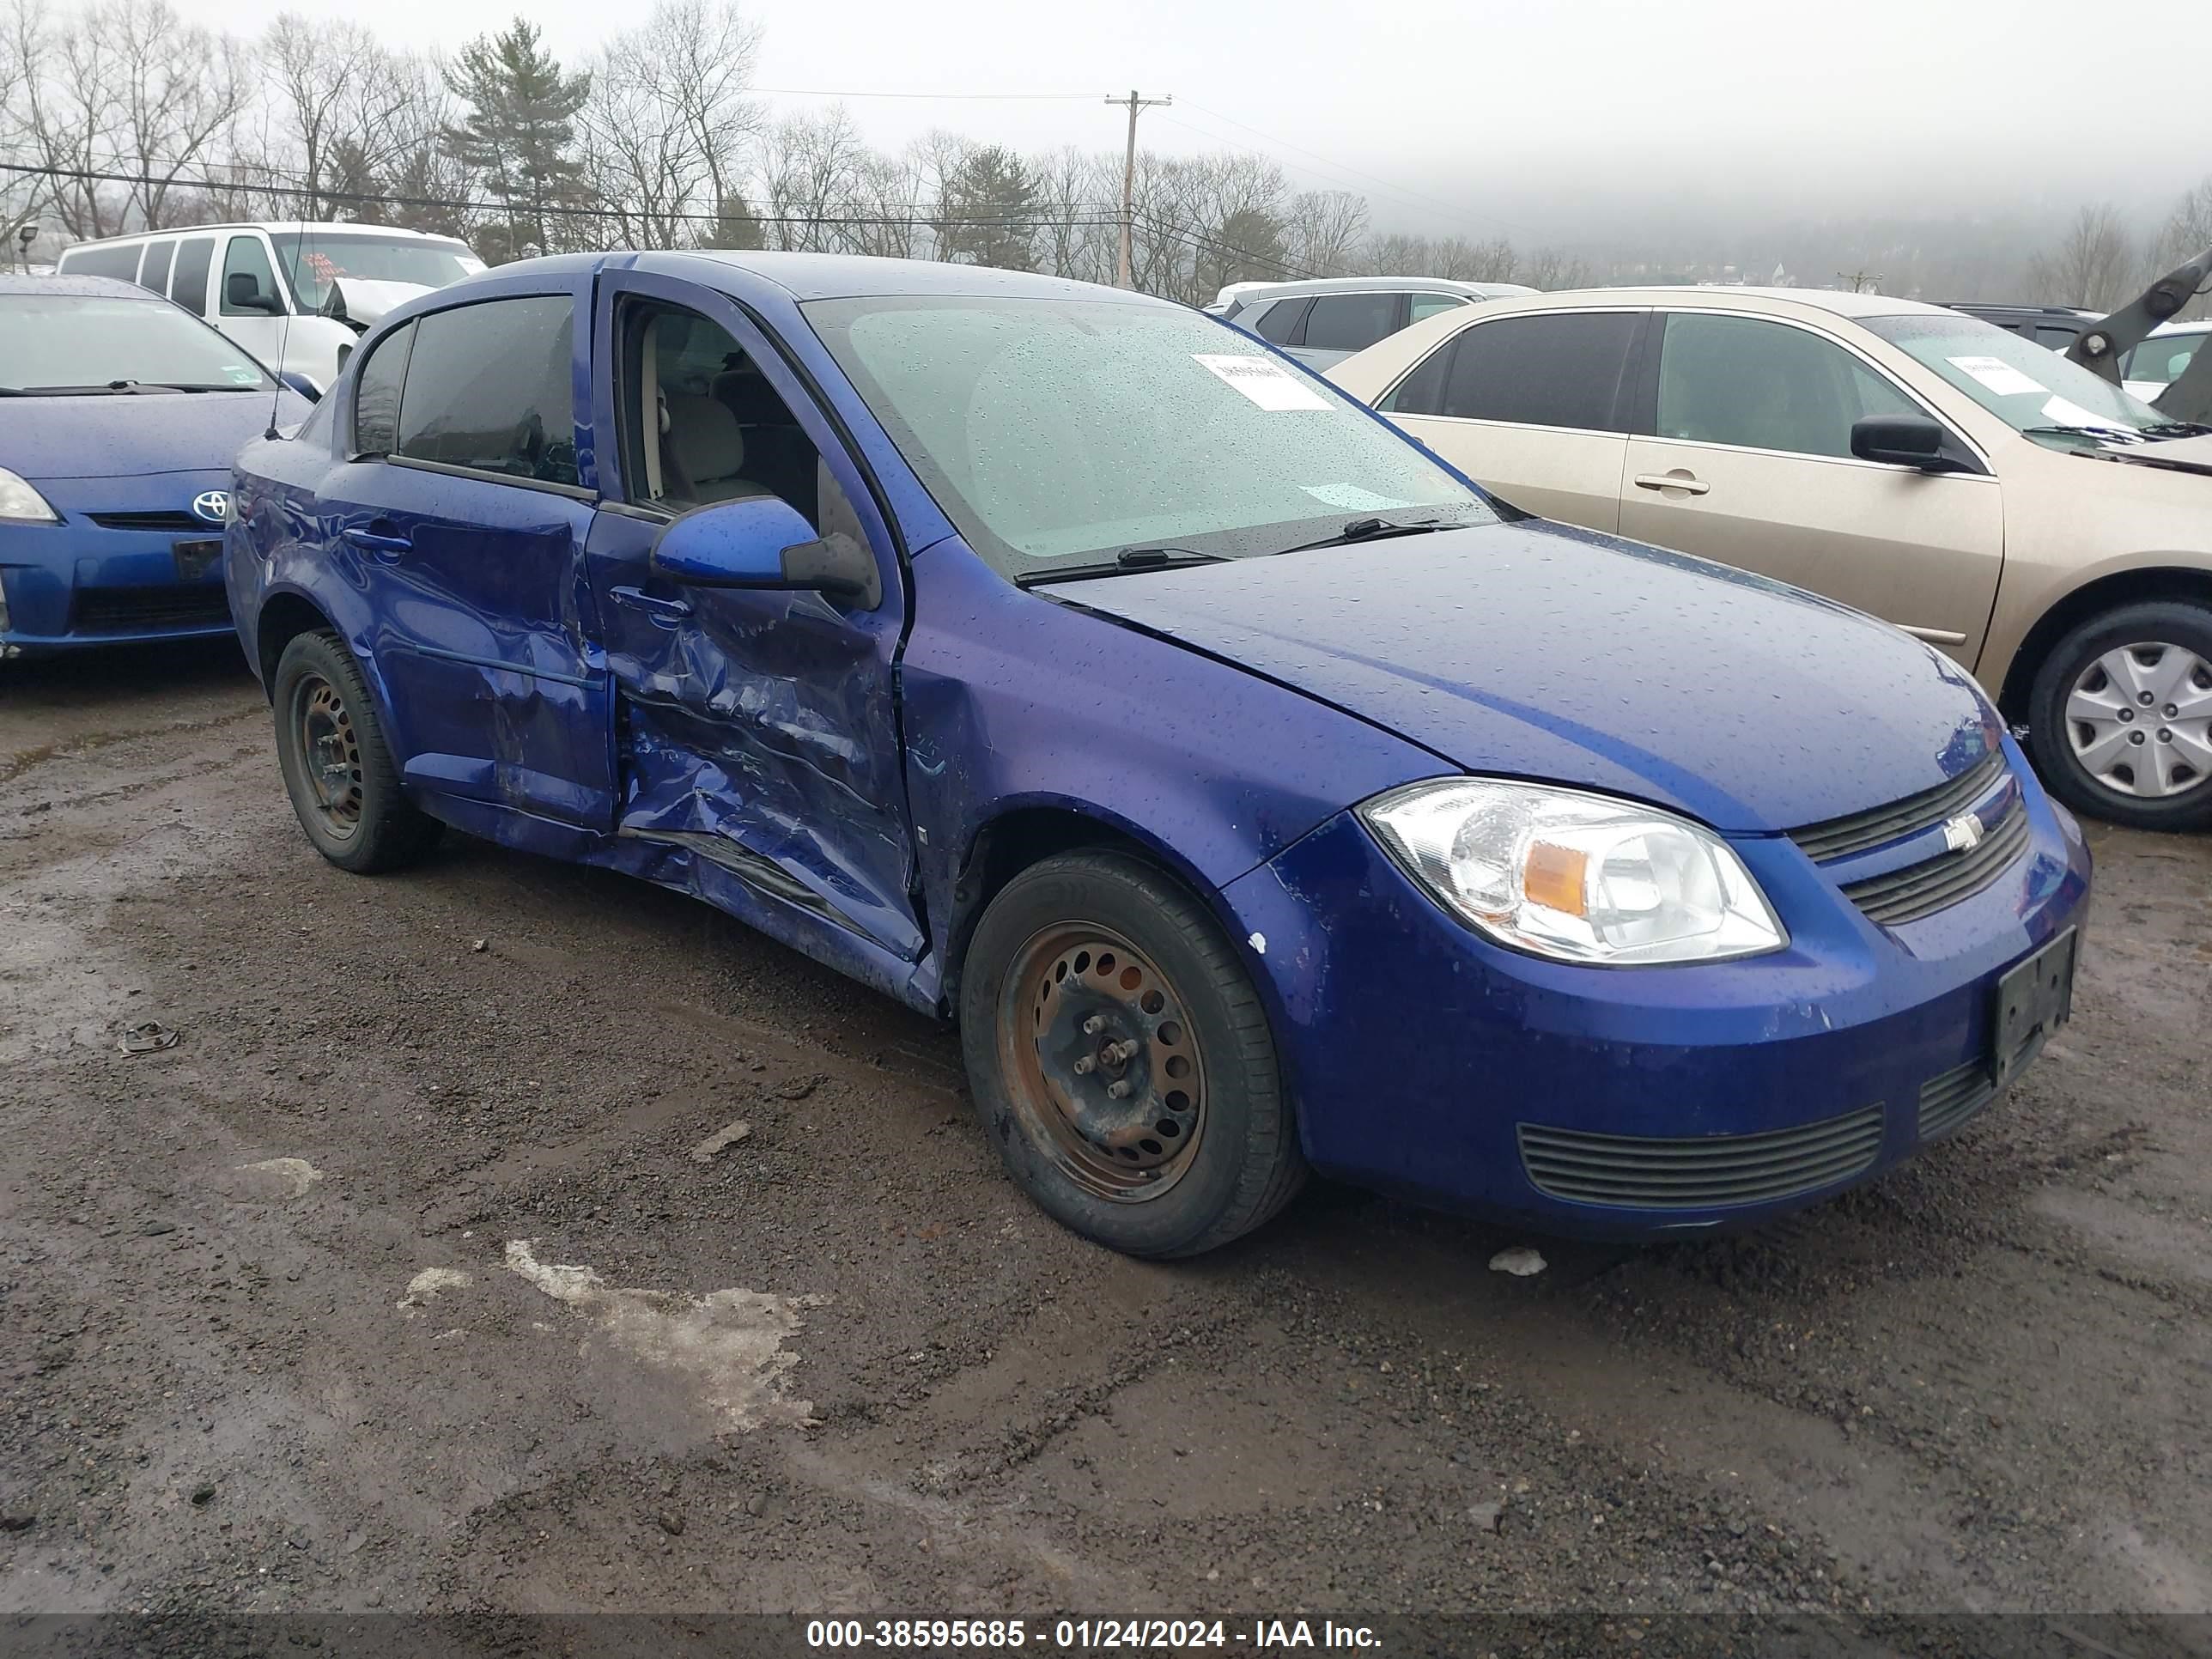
[727, 1345]
[295, 1175]
[424, 1287]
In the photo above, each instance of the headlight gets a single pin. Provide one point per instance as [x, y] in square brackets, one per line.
[1578, 878]
[19, 501]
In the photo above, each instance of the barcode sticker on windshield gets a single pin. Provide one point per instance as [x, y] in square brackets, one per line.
[1998, 375]
[1267, 383]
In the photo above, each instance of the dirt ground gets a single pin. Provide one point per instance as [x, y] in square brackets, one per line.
[407, 1279]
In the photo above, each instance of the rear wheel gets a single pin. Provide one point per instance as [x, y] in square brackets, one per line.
[2120, 716]
[337, 767]
[1121, 1060]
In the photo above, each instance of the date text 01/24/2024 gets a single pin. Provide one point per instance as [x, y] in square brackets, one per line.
[1088, 1635]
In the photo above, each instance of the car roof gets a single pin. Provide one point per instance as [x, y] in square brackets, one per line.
[807, 277]
[1257, 291]
[274, 227]
[1840, 302]
[112, 288]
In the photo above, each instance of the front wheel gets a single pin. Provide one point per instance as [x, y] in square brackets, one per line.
[2120, 716]
[337, 766]
[1121, 1060]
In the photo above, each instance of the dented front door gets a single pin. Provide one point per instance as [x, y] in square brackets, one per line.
[760, 729]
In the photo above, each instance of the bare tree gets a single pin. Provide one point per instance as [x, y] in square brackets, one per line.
[2186, 233]
[1549, 269]
[812, 169]
[338, 112]
[1327, 227]
[2091, 267]
[22, 53]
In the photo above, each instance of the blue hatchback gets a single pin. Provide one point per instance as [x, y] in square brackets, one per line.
[1256, 794]
[120, 414]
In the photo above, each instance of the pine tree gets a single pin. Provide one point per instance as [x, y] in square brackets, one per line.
[520, 128]
[736, 225]
[988, 212]
[1248, 247]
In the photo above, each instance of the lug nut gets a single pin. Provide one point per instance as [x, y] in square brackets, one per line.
[2165, 735]
[1119, 1088]
[2144, 697]
[1094, 1025]
[2171, 709]
[1119, 1053]
[2135, 736]
[2127, 716]
[1084, 1065]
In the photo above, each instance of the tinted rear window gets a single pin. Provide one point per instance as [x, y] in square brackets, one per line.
[155, 273]
[1351, 322]
[1562, 368]
[188, 283]
[489, 387]
[1279, 322]
[121, 262]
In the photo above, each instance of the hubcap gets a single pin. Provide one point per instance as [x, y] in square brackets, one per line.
[330, 752]
[1097, 1050]
[2140, 721]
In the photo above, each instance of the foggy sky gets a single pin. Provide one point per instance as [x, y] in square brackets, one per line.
[1532, 120]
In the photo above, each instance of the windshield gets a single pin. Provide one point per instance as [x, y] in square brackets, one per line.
[1068, 430]
[2157, 363]
[96, 343]
[2032, 389]
[315, 258]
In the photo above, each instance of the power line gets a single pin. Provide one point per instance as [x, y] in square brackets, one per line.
[361, 198]
[1190, 237]
[934, 97]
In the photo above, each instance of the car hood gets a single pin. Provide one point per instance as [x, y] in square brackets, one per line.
[361, 299]
[2173, 455]
[99, 437]
[1532, 650]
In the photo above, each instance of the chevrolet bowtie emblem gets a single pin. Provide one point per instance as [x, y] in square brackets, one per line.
[1964, 833]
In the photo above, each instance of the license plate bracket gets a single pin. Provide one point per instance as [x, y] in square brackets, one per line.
[195, 558]
[2033, 999]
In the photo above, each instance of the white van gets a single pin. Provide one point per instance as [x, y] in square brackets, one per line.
[297, 296]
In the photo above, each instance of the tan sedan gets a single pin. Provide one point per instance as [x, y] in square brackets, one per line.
[2047, 530]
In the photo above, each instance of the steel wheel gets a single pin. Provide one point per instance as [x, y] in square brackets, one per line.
[1102, 1062]
[329, 751]
[2139, 719]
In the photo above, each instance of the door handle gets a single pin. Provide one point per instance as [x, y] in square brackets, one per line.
[1688, 483]
[373, 541]
[667, 612]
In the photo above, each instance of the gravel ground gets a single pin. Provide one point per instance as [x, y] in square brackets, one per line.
[410, 1278]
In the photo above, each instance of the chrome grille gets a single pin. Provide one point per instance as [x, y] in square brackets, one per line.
[1697, 1172]
[1921, 889]
[1839, 838]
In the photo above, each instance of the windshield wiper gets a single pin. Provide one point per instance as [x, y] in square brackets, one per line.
[2123, 434]
[1369, 529]
[2177, 429]
[1128, 559]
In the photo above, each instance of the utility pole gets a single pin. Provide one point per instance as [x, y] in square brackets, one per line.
[1862, 282]
[1129, 180]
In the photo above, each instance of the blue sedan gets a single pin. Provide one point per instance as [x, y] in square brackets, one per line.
[1257, 794]
[119, 415]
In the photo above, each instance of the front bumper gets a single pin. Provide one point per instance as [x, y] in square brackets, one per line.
[81, 583]
[1427, 1060]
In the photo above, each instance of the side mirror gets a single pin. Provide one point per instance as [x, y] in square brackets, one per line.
[761, 541]
[1900, 440]
[300, 384]
[242, 292]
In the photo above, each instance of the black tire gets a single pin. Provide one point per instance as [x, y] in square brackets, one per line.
[1240, 1162]
[347, 793]
[2052, 739]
